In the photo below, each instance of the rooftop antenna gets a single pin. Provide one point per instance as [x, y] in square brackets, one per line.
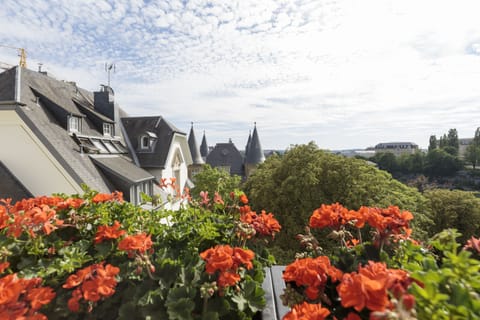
[109, 67]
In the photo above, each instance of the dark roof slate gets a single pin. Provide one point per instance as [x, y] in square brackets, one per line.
[10, 186]
[204, 146]
[122, 168]
[136, 127]
[7, 85]
[255, 153]
[194, 149]
[226, 155]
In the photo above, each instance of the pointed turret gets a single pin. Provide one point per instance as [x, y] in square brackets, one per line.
[255, 155]
[194, 150]
[204, 147]
[247, 146]
[255, 152]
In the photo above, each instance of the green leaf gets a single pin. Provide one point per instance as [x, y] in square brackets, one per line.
[180, 303]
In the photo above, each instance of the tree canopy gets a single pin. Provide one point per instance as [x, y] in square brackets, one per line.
[454, 209]
[214, 180]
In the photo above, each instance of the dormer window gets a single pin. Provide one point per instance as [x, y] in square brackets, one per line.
[147, 141]
[107, 129]
[74, 124]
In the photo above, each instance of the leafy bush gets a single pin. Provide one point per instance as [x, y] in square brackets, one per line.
[99, 257]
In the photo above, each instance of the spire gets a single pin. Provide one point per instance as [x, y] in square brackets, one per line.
[204, 146]
[247, 146]
[255, 152]
[194, 150]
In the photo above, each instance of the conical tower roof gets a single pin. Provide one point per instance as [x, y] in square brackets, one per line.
[247, 146]
[255, 152]
[194, 149]
[204, 146]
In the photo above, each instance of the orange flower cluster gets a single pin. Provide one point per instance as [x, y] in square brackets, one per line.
[369, 287]
[264, 224]
[474, 244]
[104, 197]
[32, 216]
[386, 221]
[312, 273]
[91, 283]
[334, 216]
[166, 183]
[107, 232]
[227, 260]
[22, 298]
[307, 311]
[243, 198]
[139, 242]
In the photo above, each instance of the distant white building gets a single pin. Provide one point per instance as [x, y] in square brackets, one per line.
[397, 148]
[463, 144]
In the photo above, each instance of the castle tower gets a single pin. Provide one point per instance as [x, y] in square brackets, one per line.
[204, 147]
[197, 159]
[254, 155]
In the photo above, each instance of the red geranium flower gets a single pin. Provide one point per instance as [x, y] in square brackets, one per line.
[307, 311]
[107, 232]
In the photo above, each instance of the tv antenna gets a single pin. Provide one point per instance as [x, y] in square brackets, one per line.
[109, 67]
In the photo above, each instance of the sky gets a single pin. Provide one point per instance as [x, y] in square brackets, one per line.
[343, 73]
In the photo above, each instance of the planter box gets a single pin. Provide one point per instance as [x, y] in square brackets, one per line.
[273, 286]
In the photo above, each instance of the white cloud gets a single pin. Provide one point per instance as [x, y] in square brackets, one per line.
[344, 73]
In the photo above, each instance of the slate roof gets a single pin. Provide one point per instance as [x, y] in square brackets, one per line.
[226, 154]
[254, 153]
[10, 186]
[45, 105]
[136, 127]
[194, 149]
[204, 146]
[122, 168]
[7, 85]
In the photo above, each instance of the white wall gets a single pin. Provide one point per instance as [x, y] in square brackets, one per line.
[29, 160]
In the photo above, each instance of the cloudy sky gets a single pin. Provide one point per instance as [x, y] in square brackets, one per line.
[345, 74]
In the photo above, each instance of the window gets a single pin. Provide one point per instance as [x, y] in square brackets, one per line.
[144, 142]
[74, 124]
[99, 145]
[119, 146]
[110, 146]
[107, 129]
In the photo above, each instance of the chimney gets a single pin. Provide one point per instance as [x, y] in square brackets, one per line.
[104, 103]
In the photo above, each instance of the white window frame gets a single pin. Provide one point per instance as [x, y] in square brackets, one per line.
[107, 129]
[144, 145]
[74, 123]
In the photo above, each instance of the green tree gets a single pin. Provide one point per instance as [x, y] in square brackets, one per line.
[305, 177]
[443, 141]
[411, 163]
[386, 161]
[441, 163]
[472, 153]
[455, 209]
[214, 180]
[433, 143]
[452, 140]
